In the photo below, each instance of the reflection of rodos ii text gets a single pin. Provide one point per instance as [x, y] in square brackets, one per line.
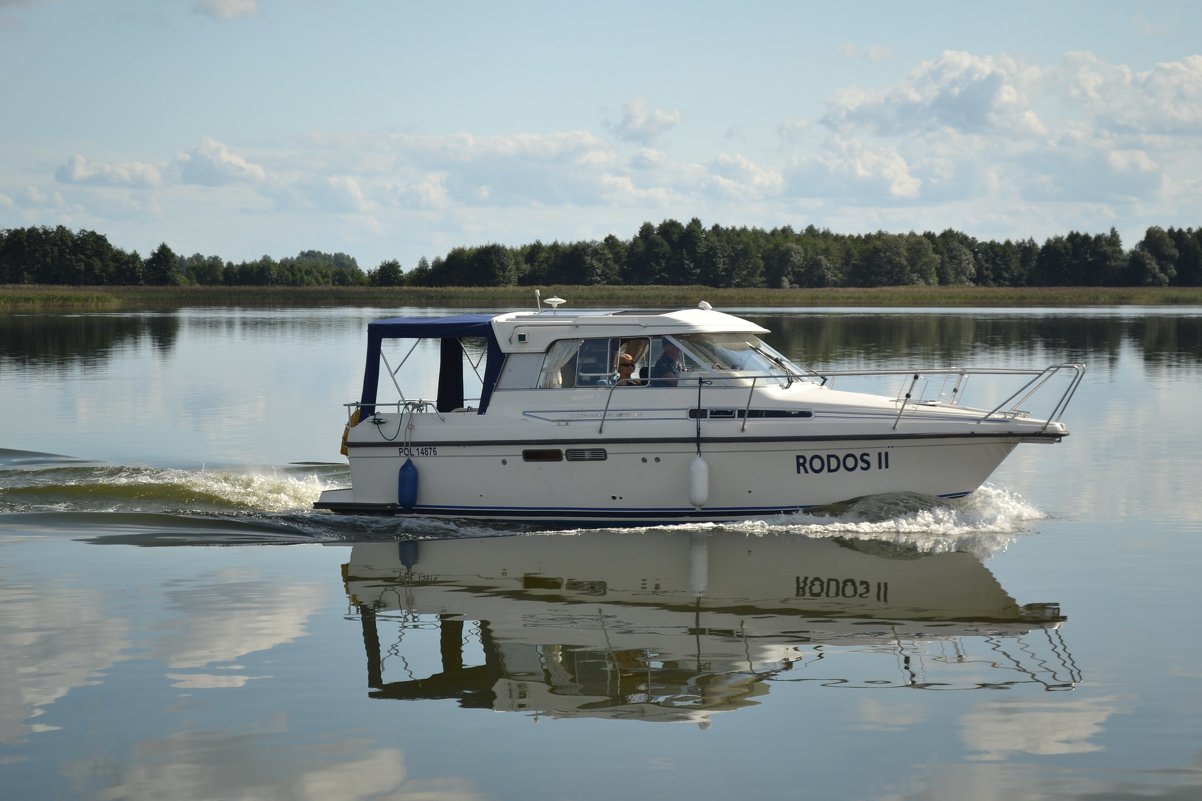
[821, 587]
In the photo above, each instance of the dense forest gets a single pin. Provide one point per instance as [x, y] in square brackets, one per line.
[670, 253]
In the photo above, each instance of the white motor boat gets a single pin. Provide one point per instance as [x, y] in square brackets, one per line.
[660, 417]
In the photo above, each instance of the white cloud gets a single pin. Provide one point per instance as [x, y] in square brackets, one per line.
[345, 192]
[992, 130]
[643, 125]
[242, 616]
[736, 176]
[213, 164]
[1003, 97]
[791, 131]
[38, 198]
[78, 170]
[226, 9]
[623, 190]
[1166, 99]
[332, 193]
[649, 159]
[53, 639]
[575, 153]
[423, 192]
[521, 168]
[460, 148]
[957, 90]
[853, 171]
[205, 764]
[895, 716]
[209, 681]
[1001, 730]
[423, 170]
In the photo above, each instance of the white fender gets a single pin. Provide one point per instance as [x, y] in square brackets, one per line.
[699, 482]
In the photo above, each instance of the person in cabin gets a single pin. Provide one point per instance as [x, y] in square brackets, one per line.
[626, 372]
[667, 368]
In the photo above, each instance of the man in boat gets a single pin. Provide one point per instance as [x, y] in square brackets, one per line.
[666, 370]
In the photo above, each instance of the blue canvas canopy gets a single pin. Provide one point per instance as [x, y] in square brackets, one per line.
[450, 373]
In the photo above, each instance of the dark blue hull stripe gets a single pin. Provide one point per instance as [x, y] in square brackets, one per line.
[569, 514]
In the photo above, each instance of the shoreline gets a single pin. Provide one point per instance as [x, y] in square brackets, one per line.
[132, 298]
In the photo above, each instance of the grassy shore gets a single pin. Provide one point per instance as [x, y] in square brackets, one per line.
[60, 298]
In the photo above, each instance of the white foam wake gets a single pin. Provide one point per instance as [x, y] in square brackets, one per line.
[182, 490]
[984, 523]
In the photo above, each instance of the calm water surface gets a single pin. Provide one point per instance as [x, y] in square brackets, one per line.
[176, 623]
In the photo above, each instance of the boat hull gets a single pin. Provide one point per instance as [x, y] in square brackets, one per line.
[634, 483]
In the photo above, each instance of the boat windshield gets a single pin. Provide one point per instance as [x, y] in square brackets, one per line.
[729, 359]
[740, 355]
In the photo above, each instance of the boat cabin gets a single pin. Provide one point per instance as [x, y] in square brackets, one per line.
[629, 350]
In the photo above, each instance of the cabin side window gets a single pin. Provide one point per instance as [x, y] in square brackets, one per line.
[632, 361]
[559, 364]
[594, 365]
[594, 362]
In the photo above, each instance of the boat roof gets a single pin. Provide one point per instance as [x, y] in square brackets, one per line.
[462, 325]
[529, 332]
[533, 332]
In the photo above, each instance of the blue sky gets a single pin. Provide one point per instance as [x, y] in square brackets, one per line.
[388, 129]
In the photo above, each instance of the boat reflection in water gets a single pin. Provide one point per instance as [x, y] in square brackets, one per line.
[675, 625]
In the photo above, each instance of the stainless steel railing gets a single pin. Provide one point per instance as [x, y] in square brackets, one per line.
[1008, 408]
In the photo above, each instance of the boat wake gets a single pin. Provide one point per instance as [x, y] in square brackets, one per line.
[47, 494]
[985, 522]
[146, 489]
[50, 494]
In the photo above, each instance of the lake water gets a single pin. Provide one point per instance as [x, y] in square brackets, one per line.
[175, 622]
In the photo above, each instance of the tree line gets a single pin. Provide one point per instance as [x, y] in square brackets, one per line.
[670, 253]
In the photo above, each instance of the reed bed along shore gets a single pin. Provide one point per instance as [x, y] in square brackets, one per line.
[60, 298]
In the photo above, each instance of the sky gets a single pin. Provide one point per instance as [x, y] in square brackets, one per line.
[388, 129]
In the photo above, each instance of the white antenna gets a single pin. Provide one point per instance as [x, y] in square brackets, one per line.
[554, 302]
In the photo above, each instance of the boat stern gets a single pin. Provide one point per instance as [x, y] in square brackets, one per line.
[342, 501]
